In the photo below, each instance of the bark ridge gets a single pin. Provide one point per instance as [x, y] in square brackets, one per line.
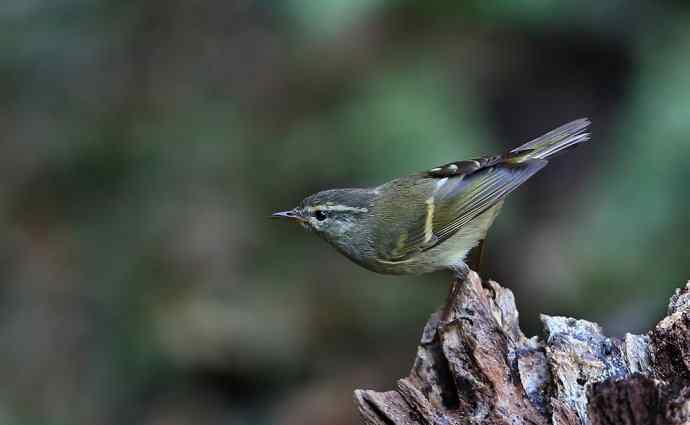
[475, 366]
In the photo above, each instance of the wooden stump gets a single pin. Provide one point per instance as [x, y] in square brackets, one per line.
[475, 366]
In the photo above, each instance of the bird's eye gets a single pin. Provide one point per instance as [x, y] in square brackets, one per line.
[320, 215]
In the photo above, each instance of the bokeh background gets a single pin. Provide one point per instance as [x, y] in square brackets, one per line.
[144, 145]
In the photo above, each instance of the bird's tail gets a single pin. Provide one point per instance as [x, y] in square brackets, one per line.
[555, 141]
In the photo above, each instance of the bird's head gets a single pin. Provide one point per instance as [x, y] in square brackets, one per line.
[338, 215]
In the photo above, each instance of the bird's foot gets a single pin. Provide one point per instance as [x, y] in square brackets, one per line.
[460, 271]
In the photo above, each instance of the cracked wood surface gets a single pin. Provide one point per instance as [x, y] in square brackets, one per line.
[475, 366]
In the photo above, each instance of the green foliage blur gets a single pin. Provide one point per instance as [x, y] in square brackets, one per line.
[145, 144]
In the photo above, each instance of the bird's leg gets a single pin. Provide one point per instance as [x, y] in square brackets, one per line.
[452, 293]
[460, 273]
[475, 257]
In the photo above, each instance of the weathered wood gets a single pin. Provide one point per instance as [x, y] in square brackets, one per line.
[475, 366]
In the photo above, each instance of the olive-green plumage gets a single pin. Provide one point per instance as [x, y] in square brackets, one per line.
[430, 220]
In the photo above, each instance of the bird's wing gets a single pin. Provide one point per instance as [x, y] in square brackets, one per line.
[453, 195]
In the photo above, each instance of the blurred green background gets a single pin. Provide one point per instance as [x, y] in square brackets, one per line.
[144, 145]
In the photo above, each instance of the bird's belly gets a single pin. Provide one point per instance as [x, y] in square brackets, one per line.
[451, 252]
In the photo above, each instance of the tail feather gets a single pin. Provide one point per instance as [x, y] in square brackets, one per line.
[555, 141]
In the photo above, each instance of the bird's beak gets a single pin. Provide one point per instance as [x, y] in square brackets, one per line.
[293, 214]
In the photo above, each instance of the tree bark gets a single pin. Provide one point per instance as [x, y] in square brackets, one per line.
[475, 366]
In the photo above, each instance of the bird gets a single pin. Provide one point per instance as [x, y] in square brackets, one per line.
[430, 220]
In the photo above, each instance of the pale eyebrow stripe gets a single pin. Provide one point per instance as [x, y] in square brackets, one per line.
[429, 223]
[336, 208]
